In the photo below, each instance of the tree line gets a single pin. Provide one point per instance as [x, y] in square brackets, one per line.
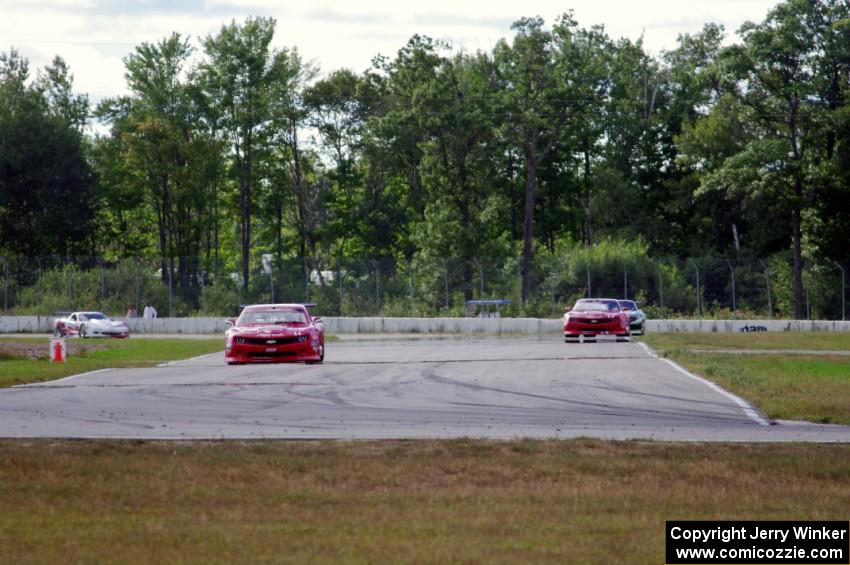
[559, 136]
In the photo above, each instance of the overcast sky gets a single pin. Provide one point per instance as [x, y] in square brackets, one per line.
[94, 35]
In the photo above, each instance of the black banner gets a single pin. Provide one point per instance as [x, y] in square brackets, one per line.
[759, 543]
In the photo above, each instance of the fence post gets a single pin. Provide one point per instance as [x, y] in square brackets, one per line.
[306, 281]
[660, 287]
[480, 277]
[767, 284]
[843, 289]
[138, 287]
[5, 285]
[410, 284]
[587, 269]
[734, 299]
[39, 283]
[170, 293]
[271, 278]
[446, 279]
[699, 295]
[377, 286]
[102, 281]
[69, 283]
[341, 291]
[808, 283]
[625, 282]
[267, 264]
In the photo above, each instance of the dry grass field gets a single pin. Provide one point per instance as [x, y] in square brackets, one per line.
[416, 501]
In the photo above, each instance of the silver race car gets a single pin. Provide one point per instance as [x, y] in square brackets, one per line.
[637, 319]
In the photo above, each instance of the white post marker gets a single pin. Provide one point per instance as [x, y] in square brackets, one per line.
[58, 353]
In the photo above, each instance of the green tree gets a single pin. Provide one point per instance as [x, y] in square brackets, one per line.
[776, 66]
[162, 155]
[292, 160]
[538, 90]
[47, 194]
[238, 72]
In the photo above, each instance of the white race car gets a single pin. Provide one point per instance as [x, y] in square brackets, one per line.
[89, 324]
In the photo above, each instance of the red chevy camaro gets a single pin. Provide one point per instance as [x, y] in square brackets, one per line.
[275, 333]
[591, 317]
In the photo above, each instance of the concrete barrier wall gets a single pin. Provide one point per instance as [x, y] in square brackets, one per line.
[496, 326]
[524, 326]
[746, 326]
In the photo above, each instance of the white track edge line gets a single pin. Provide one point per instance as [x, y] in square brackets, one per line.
[170, 363]
[64, 379]
[748, 408]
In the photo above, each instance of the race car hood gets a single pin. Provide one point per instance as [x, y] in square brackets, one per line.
[592, 315]
[270, 330]
[105, 324]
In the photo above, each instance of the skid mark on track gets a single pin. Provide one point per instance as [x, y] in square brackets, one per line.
[181, 385]
[425, 361]
[587, 406]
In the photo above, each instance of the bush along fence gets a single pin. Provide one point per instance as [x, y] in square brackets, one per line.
[695, 288]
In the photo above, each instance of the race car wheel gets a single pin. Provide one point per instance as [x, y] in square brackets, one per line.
[57, 332]
[321, 356]
[83, 332]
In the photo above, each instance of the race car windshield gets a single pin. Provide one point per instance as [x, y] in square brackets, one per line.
[92, 316]
[629, 304]
[274, 317]
[596, 306]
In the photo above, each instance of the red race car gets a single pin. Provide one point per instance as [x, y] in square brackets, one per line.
[274, 333]
[591, 317]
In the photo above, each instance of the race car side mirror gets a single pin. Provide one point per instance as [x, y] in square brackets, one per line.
[317, 320]
[230, 322]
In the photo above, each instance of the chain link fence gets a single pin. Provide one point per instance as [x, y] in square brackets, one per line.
[713, 287]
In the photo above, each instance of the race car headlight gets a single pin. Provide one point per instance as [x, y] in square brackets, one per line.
[240, 340]
[302, 338]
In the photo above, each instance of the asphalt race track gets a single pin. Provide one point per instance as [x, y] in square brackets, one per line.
[493, 388]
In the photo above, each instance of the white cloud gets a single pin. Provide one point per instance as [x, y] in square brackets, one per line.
[94, 35]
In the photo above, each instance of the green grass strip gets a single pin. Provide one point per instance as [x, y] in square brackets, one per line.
[786, 387]
[813, 388]
[16, 368]
[837, 341]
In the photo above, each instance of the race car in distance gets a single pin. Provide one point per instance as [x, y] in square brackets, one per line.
[637, 319]
[89, 324]
[590, 317]
[274, 333]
